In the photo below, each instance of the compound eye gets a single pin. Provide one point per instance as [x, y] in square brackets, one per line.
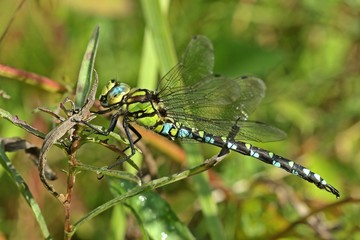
[113, 93]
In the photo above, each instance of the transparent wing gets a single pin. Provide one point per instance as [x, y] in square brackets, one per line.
[259, 132]
[216, 97]
[196, 63]
[196, 97]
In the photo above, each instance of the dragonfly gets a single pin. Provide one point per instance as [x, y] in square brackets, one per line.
[191, 102]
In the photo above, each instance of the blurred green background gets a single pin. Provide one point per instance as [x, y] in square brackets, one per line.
[308, 54]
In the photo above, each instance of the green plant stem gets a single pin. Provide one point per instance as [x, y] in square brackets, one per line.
[159, 28]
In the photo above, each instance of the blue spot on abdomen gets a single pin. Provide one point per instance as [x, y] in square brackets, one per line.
[166, 128]
[183, 133]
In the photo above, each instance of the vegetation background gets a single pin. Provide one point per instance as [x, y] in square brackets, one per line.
[308, 54]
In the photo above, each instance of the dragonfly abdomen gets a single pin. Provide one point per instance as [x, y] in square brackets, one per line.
[176, 130]
[281, 162]
[277, 161]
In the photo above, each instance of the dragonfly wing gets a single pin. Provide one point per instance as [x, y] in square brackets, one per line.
[197, 60]
[196, 63]
[215, 97]
[194, 96]
[259, 132]
[248, 130]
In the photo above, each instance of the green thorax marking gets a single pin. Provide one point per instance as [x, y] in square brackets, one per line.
[141, 108]
[138, 105]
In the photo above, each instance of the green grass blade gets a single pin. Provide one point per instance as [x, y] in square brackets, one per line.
[86, 70]
[202, 186]
[160, 32]
[24, 190]
[164, 47]
[118, 226]
[149, 64]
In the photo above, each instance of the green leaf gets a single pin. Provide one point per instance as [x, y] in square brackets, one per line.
[153, 213]
[86, 70]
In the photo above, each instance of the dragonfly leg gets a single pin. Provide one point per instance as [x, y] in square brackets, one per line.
[223, 153]
[234, 130]
[127, 127]
[138, 135]
[111, 127]
[113, 122]
[230, 138]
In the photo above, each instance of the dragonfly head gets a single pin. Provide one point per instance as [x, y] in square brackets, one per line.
[113, 93]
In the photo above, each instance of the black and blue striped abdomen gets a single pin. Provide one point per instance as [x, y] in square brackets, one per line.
[176, 130]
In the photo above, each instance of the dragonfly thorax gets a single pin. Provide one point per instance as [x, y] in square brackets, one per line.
[113, 93]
